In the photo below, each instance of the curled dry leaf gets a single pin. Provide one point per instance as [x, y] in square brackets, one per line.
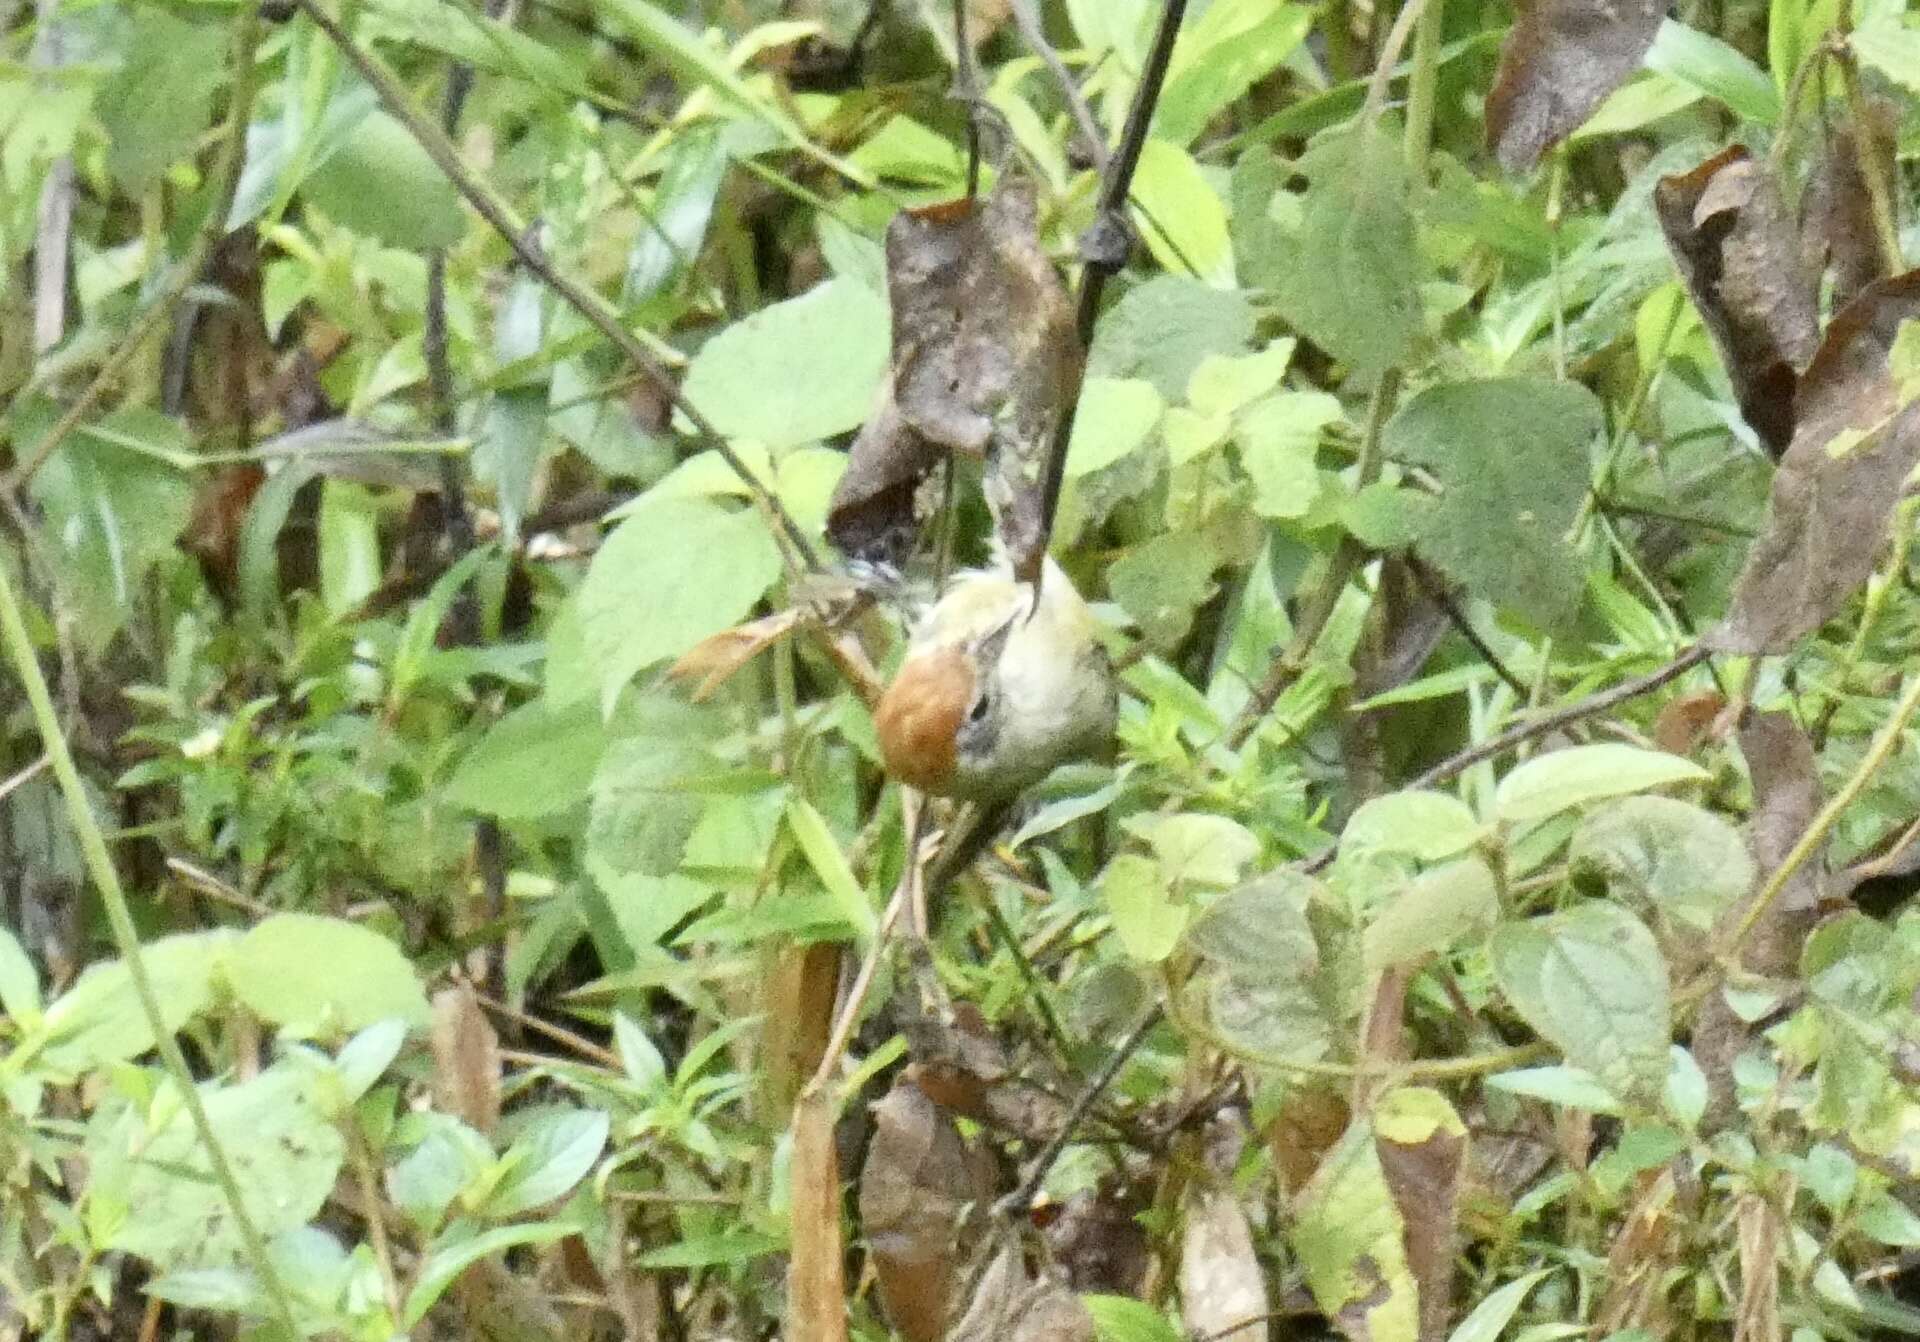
[1836, 210]
[1001, 1301]
[1560, 61]
[466, 1059]
[713, 661]
[816, 1279]
[984, 356]
[1422, 1145]
[1738, 252]
[1640, 1259]
[1223, 1293]
[920, 1184]
[1834, 493]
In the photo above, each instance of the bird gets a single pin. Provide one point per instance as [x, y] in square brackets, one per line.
[1003, 680]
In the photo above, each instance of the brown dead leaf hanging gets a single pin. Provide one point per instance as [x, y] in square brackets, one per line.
[984, 356]
[1835, 490]
[1836, 210]
[1560, 61]
[1737, 251]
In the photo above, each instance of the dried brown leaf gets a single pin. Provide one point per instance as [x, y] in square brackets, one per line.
[1560, 61]
[1638, 1261]
[1223, 1292]
[1760, 1232]
[984, 355]
[1097, 1241]
[816, 1278]
[466, 1059]
[797, 1003]
[1001, 1301]
[1422, 1145]
[1300, 1135]
[1836, 210]
[920, 1184]
[1740, 257]
[713, 661]
[1835, 490]
[1687, 721]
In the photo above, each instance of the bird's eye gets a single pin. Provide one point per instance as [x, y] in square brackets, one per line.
[978, 713]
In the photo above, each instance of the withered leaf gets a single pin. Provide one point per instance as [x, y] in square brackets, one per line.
[1835, 490]
[1560, 61]
[1836, 210]
[466, 1059]
[1422, 1145]
[1223, 1292]
[1002, 1302]
[1740, 257]
[921, 1181]
[713, 661]
[984, 356]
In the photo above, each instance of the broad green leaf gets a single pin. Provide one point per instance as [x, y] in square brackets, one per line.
[694, 62]
[1178, 213]
[1237, 43]
[829, 863]
[285, 1151]
[1435, 909]
[1715, 69]
[19, 982]
[451, 1256]
[728, 1246]
[642, 809]
[1511, 456]
[1196, 848]
[1279, 441]
[538, 760]
[1636, 105]
[1115, 416]
[158, 104]
[671, 574]
[446, 1161]
[381, 184]
[547, 1160]
[1163, 329]
[483, 42]
[795, 372]
[1260, 929]
[1571, 1087]
[1563, 779]
[99, 1020]
[349, 545]
[304, 970]
[1668, 854]
[1348, 277]
[1118, 1318]
[1350, 1239]
[1591, 980]
[1886, 1220]
[1223, 383]
[1429, 826]
[670, 239]
[1891, 48]
[1161, 583]
[1146, 916]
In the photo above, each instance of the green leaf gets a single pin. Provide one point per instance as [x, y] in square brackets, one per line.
[795, 372]
[381, 184]
[1884, 1219]
[1716, 69]
[1511, 454]
[1562, 779]
[1494, 1312]
[1146, 916]
[305, 970]
[99, 1020]
[450, 1257]
[1591, 980]
[829, 863]
[1349, 278]
[1117, 1318]
[349, 545]
[1162, 330]
[1428, 826]
[1260, 929]
[1196, 848]
[1891, 48]
[1233, 46]
[285, 1152]
[1223, 383]
[642, 810]
[1668, 854]
[1279, 441]
[1571, 1087]
[158, 104]
[1435, 909]
[1161, 583]
[674, 572]
[692, 61]
[1178, 213]
[547, 1160]
[1350, 1238]
[19, 983]
[538, 760]
[1115, 416]
[729, 1246]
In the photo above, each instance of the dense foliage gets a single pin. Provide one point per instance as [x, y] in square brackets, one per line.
[441, 821]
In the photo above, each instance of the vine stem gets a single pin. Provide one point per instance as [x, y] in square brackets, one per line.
[233, 157]
[583, 300]
[93, 848]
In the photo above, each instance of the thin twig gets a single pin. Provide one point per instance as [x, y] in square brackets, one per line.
[1034, 32]
[1104, 248]
[597, 312]
[1389, 57]
[24, 777]
[1021, 1200]
[1437, 593]
[1455, 765]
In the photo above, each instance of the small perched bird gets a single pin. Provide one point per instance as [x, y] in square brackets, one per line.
[1001, 683]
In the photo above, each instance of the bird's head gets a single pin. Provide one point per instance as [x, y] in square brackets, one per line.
[1000, 685]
